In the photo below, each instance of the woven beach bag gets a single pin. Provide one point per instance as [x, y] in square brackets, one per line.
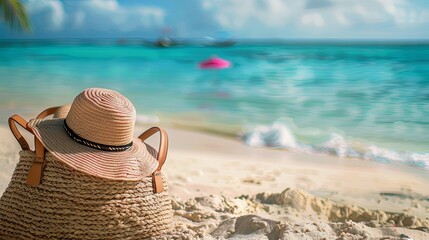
[49, 198]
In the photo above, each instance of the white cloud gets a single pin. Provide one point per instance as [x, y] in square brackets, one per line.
[245, 18]
[207, 4]
[94, 14]
[403, 13]
[109, 14]
[277, 16]
[314, 19]
[394, 8]
[341, 19]
[367, 13]
[103, 5]
[239, 13]
[151, 16]
[397, 13]
[52, 12]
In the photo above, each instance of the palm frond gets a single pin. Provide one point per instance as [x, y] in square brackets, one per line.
[13, 13]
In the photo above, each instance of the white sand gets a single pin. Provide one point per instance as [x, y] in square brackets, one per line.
[224, 189]
[198, 162]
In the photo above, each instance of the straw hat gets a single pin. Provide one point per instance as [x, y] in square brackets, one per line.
[96, 137]
[62, 111]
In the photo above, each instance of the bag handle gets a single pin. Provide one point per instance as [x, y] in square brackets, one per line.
[35, 173]
[47, 112]
[34, 176]
[163, 143]
[14, 129]
[23, 123]
[157, 182]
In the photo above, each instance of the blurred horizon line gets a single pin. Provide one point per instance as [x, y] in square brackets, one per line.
[202, 40]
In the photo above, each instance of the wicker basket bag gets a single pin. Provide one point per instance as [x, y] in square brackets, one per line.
[87, 178]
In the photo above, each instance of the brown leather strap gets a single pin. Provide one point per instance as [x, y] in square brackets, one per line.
[158, 184]
[163, 143]
[35, 173]
[12, 125]
[47, 112]
[23, 123]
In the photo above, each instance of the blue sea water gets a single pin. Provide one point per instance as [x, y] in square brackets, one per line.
[365, 100]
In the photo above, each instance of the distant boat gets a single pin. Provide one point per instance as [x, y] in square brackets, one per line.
[225, 43]
[216, 42]
[161, 43]
[164, 42]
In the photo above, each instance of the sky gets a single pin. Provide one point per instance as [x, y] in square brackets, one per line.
[291, 19]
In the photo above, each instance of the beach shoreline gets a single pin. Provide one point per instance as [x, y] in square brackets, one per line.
[209, 171]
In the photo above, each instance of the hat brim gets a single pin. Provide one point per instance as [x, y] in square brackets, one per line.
[135, 163]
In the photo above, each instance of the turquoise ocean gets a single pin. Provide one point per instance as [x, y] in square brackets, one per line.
[361, 100]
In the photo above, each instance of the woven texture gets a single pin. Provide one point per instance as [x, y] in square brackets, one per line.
[131, 164]
[70, 204]
[102, 116]
[62, 111]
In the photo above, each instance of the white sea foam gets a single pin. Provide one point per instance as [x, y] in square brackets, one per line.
[337, 145]
[277, 136]
[280, 135]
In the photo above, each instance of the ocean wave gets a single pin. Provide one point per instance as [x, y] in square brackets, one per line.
[275, 136]
[281, 135]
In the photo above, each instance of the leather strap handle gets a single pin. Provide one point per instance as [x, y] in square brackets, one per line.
[35, 173]
[47, 112]
[23, 123]
[158, 184]
[163, 143]
[14, 129]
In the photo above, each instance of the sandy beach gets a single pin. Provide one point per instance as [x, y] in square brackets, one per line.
[224, 189]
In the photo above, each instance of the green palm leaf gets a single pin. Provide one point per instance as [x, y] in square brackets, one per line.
[13, 13]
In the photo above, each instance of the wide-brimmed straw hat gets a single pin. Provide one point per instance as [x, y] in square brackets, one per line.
[62, 111]
[96, 137]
